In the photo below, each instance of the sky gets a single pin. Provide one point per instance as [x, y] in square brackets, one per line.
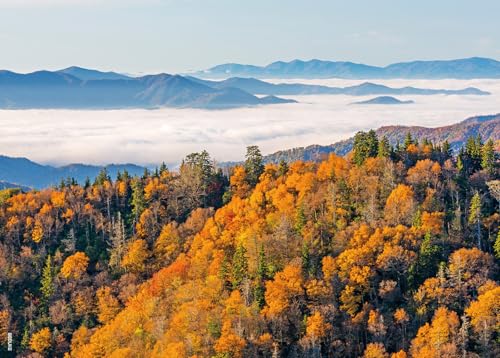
[175, 36]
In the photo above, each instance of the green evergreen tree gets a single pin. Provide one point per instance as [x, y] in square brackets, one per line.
[496, 246]
[225, 273]
[282, 167]
[384, 148]
[365, 146]
[446, 150]
[240, 266]
[47, 287]
[203, 165]
[138, 202]
[163, 168]
[102, 177]
[254, 165]
[427, 263]
[300, 219]
[262, 275]
[475, 216]
[408, 140]
[488, 157]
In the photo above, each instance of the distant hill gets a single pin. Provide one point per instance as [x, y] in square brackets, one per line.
[255, 86]
[64, 90]
[22, 172]
[456, 134]
[474, 67]
[384, 100]
[88, 75]
[5, 185]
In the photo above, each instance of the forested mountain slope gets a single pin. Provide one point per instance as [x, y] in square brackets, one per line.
[456, 135]
[390, 251]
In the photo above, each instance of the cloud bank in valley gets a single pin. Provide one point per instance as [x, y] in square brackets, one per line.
[150, 137]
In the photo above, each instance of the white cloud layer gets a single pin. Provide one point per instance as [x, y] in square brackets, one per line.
[150, 137]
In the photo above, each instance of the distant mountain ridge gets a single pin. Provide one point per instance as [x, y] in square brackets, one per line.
[88, 74]
[108, 90]
[456, 134]
[255, 86]
[466, 68]
[22, 172]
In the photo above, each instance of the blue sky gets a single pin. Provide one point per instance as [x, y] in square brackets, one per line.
[140, 36]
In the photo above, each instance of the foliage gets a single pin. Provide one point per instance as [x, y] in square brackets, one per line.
[375, 254]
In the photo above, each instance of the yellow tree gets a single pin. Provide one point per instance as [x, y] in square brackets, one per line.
[286, 284]
[439, 338]
[375, 350]
[485, 315]
[136, 257]
[75, 265]
[41, 341]
[37, 233]
[107, 305]
[229, 344]
[168, 245]
[400, 205]
[316, 328]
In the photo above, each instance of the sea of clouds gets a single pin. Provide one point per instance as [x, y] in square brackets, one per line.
[152, 136]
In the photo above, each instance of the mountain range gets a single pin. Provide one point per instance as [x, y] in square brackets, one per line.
[22, 172]
[467, 68]
[78, 88]
[255, 86]
[456, 134]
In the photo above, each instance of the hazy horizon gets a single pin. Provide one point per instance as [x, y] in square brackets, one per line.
[178, 36]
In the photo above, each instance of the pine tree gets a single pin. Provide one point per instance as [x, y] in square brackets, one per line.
[300, 219]
[384, 148]
[47, 281]
[475, 216]
[262, 272]
[282, 167]
[408, 140]
[365, 146]
[488, 157]
[496, 246]
[446, 150]
[163, 168]
[240, 266]
[254, 165]
[138, 203]
[102, 177]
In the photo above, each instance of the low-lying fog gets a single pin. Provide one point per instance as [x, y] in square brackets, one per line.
[150, 137]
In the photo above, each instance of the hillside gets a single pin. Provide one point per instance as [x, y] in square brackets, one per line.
[76, 88]
[456, 135]
[378, 255]
[25, 173]
[467, 68]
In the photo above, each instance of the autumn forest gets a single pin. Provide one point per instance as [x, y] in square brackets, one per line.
[391, 252]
